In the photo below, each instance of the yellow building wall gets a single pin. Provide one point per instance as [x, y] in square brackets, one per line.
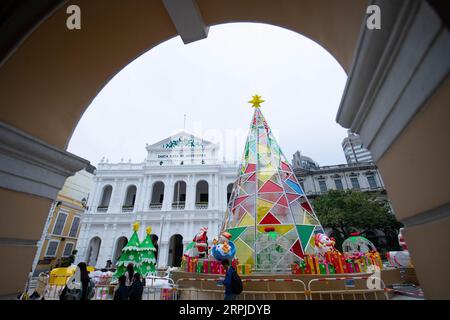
[72, 208]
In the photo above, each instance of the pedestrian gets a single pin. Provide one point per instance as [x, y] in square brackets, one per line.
[42, 283]
[136, 288]
[232, 281]
[121, 292]
[129, 274]
[108, 265]
[79, 286]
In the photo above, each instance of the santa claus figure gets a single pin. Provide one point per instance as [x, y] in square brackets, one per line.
[201, 242]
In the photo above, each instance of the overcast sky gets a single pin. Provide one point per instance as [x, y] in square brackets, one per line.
[211, 81]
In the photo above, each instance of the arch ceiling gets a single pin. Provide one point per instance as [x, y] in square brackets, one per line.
[51, 77]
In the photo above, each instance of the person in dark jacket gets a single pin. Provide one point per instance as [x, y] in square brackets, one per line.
[136, 288]
[85, 280]
[121, 292]
[229, 294]
[79, 283]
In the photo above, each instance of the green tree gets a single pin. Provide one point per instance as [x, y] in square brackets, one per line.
[148, 260]
[67, 261]
[349, 211]
[130, 254]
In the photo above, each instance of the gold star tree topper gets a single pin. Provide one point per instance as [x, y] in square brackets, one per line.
[136, 226]
[149, 230]
[256, 101]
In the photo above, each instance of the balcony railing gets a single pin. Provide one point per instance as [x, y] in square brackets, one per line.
[155, 206]
[178, 205]
[127, 208]
[201, 205]
[102, 208]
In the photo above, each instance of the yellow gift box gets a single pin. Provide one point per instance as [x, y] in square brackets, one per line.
[244, 269]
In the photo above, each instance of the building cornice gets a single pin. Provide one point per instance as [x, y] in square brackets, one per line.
[33, 166]
[394, 72]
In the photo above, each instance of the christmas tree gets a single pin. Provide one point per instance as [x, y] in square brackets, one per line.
[130, 254]
[148, 260]
[269, 216]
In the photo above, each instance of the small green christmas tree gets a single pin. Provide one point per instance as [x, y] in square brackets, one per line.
[148, 260]
[130, 254]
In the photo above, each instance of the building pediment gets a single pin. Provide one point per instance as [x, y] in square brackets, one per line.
[181, 140]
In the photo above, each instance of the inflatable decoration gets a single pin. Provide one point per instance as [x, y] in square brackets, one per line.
[356, 245]
[224, 248]
[400, 258]
[199, 246]
[323, 244]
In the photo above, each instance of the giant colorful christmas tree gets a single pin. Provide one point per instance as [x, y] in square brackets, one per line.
[269, 216]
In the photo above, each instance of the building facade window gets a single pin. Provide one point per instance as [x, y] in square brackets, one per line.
[68, 248]
[179, 195]
[372, 182]
[52, 247]
[59, 224]
[201, 195]
[74, 228]
[355, 183]
[130, 198]
[157, 196]
[323, 186]
[106, 198]
[338, 183]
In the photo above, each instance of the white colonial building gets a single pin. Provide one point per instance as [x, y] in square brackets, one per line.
[180, 187]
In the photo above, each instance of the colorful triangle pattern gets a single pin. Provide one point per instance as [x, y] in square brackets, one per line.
[269, 216]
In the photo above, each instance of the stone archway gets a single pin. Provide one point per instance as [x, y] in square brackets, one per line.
[175, 250]
[49, 75]
[93, 251]
[120, 243]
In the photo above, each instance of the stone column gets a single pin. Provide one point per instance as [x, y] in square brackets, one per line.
[32, 173]
[396, 98]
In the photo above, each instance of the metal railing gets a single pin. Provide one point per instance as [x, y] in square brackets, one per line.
[201, 205]
[178, 205]
[349, 292]
[155, 206]
[267, 293]
[163, 288]
[102, 208]
[127, 208]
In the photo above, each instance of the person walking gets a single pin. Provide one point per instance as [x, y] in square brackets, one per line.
[232, 281]
[78, 285]
[129, 274]
[121, 292]
[136, 288]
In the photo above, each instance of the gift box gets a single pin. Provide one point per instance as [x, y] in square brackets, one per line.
[199, 267]
[322, 268]
[295, 268]
[331, 269]
[244, 269]
[350, 266]
[214, 267]
[207, 266]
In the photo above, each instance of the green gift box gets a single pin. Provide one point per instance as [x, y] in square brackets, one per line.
[322, 268]
[331, 269]
[199, 267]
